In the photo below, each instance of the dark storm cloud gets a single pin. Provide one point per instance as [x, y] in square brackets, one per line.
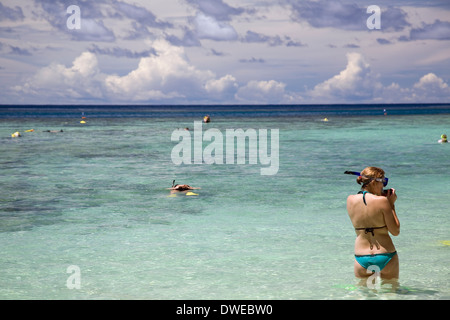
[9, 49]
[254, 37]
[439, 30]
[383, 41]
[345, 16]
[292, 43]
[92, 27]
[138, 14]
[211, 22]
[252, 60]
[189, 39]
[19, 51]
[13, 14]
[92, 19]
[121, 52]
[216, 8]
[393, 19]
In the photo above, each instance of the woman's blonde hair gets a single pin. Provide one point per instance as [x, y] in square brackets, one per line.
[368, 175]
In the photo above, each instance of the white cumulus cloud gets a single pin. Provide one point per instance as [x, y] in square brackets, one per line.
[167, 74]
[431, 82]
[431, 88]
[222, 89]
[263, 92]
[208, 27]
[355, 82]
[55, 81]
[164, 76]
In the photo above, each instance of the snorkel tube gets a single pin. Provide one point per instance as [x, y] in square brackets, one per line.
[385, 181]
[353, 172]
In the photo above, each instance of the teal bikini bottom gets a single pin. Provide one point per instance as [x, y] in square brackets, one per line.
[380, 260]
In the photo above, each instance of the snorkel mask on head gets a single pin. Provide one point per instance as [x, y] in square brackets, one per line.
[385, 180]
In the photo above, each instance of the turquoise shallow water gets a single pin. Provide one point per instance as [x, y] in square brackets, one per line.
[94, 196]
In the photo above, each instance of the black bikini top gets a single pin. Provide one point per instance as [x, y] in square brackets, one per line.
[367, 230]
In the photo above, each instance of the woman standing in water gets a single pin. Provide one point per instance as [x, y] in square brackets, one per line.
[372, 213]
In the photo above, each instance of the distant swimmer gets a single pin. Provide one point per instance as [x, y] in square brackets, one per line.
[16, 134]
[206, 119]
[53, 131]
[443, 139]
[181, 187]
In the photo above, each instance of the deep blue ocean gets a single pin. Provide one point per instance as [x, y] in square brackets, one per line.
[85, 212]
[219, 111]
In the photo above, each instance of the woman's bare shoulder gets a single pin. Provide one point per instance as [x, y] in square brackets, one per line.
[352, 197]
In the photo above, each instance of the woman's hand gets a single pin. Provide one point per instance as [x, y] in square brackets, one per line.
[391, 196]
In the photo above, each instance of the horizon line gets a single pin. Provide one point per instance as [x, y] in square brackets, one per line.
[220, 105]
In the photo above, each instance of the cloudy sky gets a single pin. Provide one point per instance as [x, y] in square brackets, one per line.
[223, 52]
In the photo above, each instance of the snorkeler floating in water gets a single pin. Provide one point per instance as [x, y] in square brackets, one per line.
[181, 187]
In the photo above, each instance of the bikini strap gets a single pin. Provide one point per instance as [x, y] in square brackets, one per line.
[364, 196]
[367, 230]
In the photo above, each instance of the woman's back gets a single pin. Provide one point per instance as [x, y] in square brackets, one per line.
[368, 219]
